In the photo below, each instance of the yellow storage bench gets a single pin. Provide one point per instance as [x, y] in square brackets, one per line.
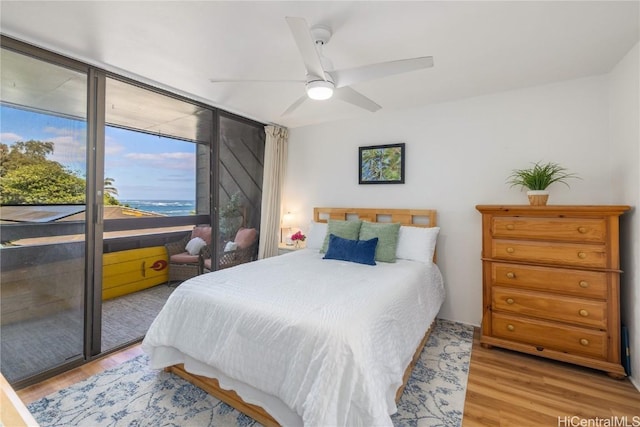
[125, 272]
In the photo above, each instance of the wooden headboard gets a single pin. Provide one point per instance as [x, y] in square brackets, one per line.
[411, 217]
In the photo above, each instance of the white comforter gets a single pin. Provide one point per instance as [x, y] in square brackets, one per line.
[330, 339]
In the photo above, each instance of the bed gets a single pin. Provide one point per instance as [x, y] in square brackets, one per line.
[301, 340]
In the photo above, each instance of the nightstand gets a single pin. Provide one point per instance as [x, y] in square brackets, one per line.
[283, 248]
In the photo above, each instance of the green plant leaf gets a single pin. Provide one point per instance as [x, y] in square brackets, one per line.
[540, 176]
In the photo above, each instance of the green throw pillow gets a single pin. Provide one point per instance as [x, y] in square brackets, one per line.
[387, 235]
[345, 229]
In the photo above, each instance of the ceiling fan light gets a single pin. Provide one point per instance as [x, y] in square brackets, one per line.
[320, 90]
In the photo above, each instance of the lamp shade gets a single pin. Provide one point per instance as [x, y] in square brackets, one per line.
[288, 220]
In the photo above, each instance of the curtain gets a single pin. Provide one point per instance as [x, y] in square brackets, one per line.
[275, 164]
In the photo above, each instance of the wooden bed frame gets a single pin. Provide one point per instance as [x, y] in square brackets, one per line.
[409, 217]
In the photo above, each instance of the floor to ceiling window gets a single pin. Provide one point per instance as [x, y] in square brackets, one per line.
[241, 161]
[43, 180]
[97, 174]
[157, 167]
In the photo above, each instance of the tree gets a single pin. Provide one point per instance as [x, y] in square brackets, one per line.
[27, 177]
[109, 188]
[110, 192]
[40, 184]
[23, 153]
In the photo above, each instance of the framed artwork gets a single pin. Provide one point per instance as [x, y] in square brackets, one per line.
[381, 164]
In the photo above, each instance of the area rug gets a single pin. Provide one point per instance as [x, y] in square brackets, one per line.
[135, 395]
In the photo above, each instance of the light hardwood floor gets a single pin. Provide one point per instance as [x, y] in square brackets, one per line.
[64, 380]
[504, 389]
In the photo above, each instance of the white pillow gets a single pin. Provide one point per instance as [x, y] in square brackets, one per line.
[194, 246]
[417, 243]
[315, 236]
[230, 246]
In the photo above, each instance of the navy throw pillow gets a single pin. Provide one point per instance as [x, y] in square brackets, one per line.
[360, 251]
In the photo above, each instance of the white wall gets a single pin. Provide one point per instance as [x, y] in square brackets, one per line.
[459, 154]
[624, 138]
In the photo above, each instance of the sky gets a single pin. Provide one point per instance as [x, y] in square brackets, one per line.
[144, 167]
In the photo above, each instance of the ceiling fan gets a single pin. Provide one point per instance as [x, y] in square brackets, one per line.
[322, 82]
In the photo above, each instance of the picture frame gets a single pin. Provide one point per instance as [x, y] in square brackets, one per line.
[381, 164]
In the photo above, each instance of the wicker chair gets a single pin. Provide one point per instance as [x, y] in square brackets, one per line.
[183, 265]
[247, 240]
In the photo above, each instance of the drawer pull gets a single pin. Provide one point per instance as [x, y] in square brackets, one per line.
[511, 275]
[510, 327]
[583, 313]
[510, 301]
[584, 284]
[510, 250]
[584, 341]
[582, 255]
[582, 230]
[510, 227]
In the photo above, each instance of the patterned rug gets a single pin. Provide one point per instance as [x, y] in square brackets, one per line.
[134, 395]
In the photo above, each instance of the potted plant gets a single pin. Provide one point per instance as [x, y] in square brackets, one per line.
[537, 178]
[230, 217]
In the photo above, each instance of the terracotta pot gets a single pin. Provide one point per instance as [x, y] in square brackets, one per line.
[538, 197]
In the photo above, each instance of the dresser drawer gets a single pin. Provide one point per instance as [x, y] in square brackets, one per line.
[565, 338]
[578, 311]
[588, 230]
[588, 284]
[581, 255]
[551, 282]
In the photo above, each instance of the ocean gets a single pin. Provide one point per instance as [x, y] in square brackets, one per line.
[164, 207]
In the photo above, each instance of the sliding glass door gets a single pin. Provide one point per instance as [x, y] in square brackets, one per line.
[97, 174]
[43, 189]
[157, 183]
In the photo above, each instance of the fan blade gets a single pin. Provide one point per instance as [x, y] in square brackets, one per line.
[296, 104]
[254, 81]
[306, 46]
[383, 69]
[351, 96]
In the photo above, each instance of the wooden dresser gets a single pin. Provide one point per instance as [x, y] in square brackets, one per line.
[551, 282]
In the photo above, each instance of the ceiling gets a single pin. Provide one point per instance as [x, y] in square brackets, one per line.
[479, 47]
